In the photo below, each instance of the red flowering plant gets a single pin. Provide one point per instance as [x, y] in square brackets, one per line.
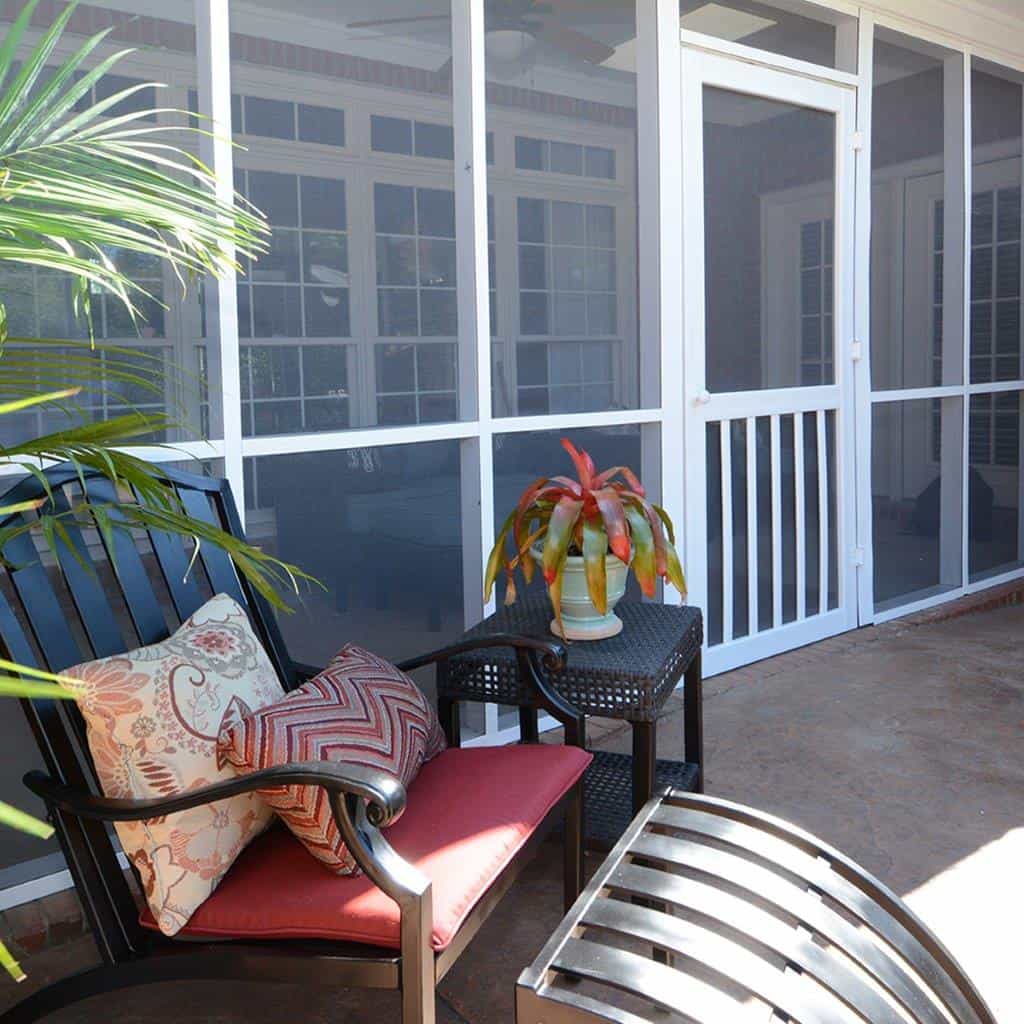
[590, 516]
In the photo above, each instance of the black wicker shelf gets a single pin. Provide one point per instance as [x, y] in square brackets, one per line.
[608, 793]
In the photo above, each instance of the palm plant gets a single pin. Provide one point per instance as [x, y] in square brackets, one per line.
[79, 184]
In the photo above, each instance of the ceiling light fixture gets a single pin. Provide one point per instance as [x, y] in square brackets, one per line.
[508, 45]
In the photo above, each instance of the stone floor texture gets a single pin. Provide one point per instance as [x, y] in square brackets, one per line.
[901, 744]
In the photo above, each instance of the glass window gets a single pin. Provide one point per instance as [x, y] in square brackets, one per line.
[163, 362]
[917, 228]
[351, 319]
[790, 28]
[565, 331]
[298, 290]
[917, 499]
[769, 187]
[994, 506]
[995, 326]
[325, 125]
[395, 584]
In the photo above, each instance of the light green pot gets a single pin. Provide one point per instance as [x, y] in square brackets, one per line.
[581, 619]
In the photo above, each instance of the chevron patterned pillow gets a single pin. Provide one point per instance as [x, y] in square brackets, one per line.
[360, 709]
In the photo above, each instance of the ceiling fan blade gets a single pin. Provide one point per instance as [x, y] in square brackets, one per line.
[575, 43]
[377, 23]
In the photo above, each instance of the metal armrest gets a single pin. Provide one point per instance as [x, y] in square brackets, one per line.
[535, 658]
[551, 654]
[382, 793]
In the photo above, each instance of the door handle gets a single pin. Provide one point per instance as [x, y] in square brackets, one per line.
[703, 397]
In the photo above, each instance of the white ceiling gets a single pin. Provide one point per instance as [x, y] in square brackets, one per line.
[1014, 7]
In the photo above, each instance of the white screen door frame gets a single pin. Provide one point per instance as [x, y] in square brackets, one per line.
[750, 424]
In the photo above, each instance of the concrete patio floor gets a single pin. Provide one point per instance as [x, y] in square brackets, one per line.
[902, 744]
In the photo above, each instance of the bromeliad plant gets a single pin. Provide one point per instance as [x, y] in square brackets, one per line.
[588, 517]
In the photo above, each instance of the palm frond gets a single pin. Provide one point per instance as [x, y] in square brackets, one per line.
[78, 183]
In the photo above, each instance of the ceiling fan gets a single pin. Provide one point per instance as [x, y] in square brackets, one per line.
[514, 26]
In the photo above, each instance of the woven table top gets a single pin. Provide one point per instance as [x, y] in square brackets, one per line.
[628, 676]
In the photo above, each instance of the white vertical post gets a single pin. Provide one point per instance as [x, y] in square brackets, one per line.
[686, 320]
[753, 568]
[660, 188]
[213, 81]
[469, 118]
[962, 452]
[862, 333]
[725, 449]
[470, 128]
[823, 512]
[955, 296]
[776, 478]
[800, 510]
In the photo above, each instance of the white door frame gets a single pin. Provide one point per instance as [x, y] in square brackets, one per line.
[700, 68]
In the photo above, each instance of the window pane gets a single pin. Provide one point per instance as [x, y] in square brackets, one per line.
[801, 30]
[917, 227]
[995, 324]
[363, 249]
[172, 363]
[395, 583]
[769, 187]
[325, 125]
[917, 481]
[391, 134]
[564, 281]
[994, 509]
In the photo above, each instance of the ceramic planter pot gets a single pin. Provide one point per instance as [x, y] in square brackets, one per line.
[581, 619]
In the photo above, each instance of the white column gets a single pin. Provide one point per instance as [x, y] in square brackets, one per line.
[953, 539]
[469, 116]
[660, 188]
[213, 79]
[862, 329]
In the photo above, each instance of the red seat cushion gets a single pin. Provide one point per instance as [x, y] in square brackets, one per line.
[469, 811]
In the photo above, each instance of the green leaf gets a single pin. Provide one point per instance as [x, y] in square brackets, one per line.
[22, 689]
[675, 571]
[497, 556]
[10, 965]
[643, 550]
[560, 530]
[664, 517]
[555, 592]
[26, 403]
[13, 818]
[595, 551]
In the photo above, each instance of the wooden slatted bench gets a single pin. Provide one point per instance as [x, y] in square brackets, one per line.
[709, 911]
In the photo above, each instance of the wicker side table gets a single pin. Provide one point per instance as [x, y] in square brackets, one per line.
[629, 677]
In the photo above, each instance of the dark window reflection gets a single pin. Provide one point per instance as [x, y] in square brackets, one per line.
[385, 540]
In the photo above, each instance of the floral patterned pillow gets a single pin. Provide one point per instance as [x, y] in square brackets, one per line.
[153, 717]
